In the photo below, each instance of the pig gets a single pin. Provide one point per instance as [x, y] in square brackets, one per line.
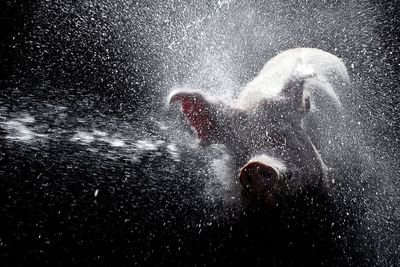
[279, 128]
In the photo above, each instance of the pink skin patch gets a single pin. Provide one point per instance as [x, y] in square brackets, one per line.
[194, 106]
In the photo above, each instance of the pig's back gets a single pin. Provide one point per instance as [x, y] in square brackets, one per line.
[329, 71]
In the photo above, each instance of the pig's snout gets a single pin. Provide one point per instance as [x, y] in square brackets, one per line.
[260, 179]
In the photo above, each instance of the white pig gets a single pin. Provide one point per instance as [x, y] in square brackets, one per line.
[280, 128]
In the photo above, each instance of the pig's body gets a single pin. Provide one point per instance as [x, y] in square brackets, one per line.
[327, 69]
[279, 129]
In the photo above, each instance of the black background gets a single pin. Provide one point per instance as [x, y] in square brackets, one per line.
[55, 219]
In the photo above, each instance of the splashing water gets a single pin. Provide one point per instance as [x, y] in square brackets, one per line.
[90, 97]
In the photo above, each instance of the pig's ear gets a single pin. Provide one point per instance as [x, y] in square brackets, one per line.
[293, 89]
[199, 112]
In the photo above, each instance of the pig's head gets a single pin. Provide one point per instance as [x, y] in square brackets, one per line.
[273, 154]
